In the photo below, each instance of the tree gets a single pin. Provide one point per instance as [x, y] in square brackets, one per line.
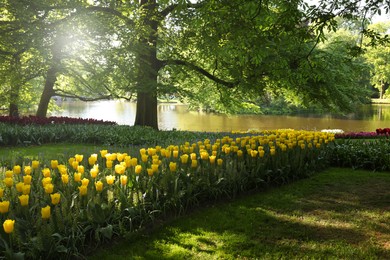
[213, 51]
[379, 58]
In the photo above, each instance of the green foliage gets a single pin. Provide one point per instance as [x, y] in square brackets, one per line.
[370, 154]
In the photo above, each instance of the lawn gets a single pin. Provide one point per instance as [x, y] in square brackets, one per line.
[336, 214]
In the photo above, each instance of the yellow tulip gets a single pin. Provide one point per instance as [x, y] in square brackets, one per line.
[120, 169]
[110, 179]
[45, 212]
[79, 157]
[26, 189]
[204, 155]
[1, 192]
[8, 182]
[46, 172]
[84, 182]
[193, 156]
[62, 169]
[75, 164]
[27, 170]
[65, 178]
[83, 190]
[54, 164]
[49, 188]
[219, 162]
[120, 157]
[272, 151]
[261, 153]
[194, 163]
[138, 169]
[77, 177]
[212, 159]
[27, 179]
[144, 157]
[172, 166]
[155, 167]
[92, 159]
[46, 180]
[134, 162]
[9, 174]
[94, 171]
[35, 164]
[124, 180]
[55, 198]
[71, 160]
[184, 158]
[4, 206]
[8, 226]
[19, 186]
[175, 154]
[80, 169]
[254, 153]
[103, 153]
[99, 186]
[109, 163]
[23, 199]
[150, 171]
[17, 169]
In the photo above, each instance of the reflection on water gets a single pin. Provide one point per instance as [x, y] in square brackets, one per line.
[176, 116]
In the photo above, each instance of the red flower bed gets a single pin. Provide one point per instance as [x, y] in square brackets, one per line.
[34, 120]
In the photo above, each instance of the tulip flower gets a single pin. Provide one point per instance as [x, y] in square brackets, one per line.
[46, 172]
[26, 189]
[27, 179]
[77, 176]
[9, 182]
[92, 159]
[219, 162]
[19, 186]
[120, 169]
[110, 179]
[46, 180]
[1, 192]
[79, 157]
[212, 159]
[8, 226]
[4, 206]
[103, 153]
[124, 180]
[9, 174]
[17, 169]
[27, 170]
[94, 171]
[35, 164]
[54, 164]
[150, 171]
[99, 186]
[49, 188]
[83, 190]
[65, 178]
[184, 158]
[84, 182]
[45, 212]
[138, 169]
[109, 164]
[194, 163]
[55, 198]
[23, 199]
[172, 166]
[80, 169]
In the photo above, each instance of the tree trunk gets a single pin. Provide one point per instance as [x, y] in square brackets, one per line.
[148, 67]
[15, 87]
[48, 92]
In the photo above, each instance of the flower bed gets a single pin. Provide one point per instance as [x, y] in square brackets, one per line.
[34, 120]
[56, 208]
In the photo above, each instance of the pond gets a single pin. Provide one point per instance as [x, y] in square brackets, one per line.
[177, 116]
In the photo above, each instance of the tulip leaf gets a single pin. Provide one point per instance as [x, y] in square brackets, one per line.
[106, 231]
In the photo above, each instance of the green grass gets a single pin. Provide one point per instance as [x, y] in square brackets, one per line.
[336, 214]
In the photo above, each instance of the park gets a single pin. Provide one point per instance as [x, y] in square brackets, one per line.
[92, 188]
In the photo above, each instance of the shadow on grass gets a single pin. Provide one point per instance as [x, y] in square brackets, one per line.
[338, 214]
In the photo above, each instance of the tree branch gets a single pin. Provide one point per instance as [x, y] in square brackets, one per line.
[201, 71]
[169, 9]
[62, 93]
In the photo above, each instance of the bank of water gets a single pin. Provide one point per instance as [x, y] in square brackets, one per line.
[177, 116]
